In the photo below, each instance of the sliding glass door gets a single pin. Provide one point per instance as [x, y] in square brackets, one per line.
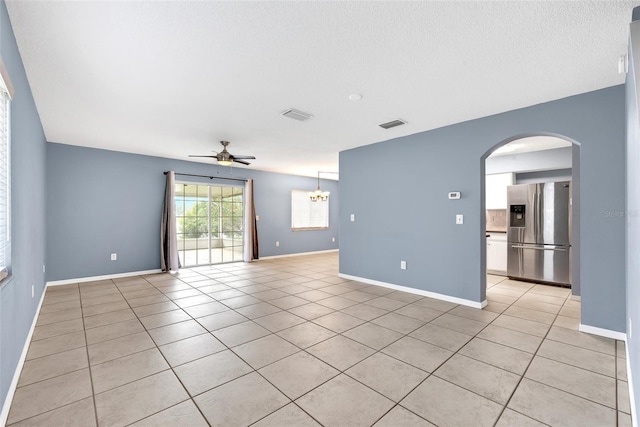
[210, 223]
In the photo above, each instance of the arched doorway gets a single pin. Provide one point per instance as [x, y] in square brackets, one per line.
[525, 159]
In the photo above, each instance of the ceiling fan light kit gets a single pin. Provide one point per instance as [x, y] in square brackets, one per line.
[224, 158]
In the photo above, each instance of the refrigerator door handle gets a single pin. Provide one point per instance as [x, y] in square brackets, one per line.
[535, 215]
[537, 248]
[538, 217]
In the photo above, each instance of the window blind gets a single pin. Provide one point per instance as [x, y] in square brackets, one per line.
[5, 181]
[306, 214]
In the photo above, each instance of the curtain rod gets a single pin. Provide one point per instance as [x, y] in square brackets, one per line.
[207, 176]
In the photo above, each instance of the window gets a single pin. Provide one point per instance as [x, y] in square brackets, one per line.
[5, 173]
[308, 215]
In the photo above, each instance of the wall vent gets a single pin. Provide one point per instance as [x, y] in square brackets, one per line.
[292, 113]
[393, 123]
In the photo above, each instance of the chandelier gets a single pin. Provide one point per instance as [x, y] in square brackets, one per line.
[319, 195]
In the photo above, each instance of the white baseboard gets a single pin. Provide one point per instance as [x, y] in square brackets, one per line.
[455, 300]
[576, 298]
[4, 415]
[607, 333]
[497, 273]
[105, 277]
[297, 254]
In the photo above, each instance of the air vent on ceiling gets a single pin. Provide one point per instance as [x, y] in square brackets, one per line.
[393, 124]
[292, 113]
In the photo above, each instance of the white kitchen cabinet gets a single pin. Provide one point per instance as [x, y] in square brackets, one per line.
[496, 190]
[497, 253]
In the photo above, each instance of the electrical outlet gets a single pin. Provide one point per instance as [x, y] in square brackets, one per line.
[43, 269]
[333, 239]
[114, 257]
[257, 217]
[353, 217]
[277, 243]
[459, 219]
[403, 265]
[33, 291]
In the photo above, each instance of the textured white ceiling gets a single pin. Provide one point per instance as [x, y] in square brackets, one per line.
[173, 78]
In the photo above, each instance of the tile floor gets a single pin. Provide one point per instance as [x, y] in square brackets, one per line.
[285, 342]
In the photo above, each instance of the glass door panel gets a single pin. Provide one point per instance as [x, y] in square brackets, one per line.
[209, 223]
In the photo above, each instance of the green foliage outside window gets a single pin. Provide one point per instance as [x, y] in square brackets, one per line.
[226, 217]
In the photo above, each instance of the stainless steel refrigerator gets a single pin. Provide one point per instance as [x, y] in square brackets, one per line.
[539, 232]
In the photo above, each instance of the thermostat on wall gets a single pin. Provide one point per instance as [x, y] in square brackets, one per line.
[454, 195]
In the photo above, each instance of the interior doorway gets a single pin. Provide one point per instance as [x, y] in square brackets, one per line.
[210, 223]
[534, 160]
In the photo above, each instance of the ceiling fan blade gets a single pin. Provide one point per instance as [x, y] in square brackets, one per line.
[192, 155]
[243, 157]
[235, 159]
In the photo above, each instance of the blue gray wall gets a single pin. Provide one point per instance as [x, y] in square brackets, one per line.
[28, 172]
[402, 211]
[633, 209]
[101, 202]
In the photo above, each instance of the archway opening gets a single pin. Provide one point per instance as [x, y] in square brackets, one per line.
[534, 240]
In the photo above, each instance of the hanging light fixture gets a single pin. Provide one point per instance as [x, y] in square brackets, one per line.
[319, 195]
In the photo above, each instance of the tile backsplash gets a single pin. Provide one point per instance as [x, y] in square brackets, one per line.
[497, 220]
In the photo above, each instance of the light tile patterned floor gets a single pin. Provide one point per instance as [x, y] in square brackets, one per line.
[285, 342]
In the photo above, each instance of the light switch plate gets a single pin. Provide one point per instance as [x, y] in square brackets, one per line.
[459, 219]
[353, 217]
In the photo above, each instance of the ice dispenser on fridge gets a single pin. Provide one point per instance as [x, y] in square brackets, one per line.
[517, 215]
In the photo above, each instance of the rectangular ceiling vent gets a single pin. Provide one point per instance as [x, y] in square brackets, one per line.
[292, 113]
[392, 124]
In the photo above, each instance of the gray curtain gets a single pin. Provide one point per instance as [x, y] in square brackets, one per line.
[169, 260]
[250, 224]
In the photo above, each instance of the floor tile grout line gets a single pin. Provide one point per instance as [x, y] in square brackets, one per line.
[86, 340]
[573, 394]
[256, 371]
[522, 377]
[253, 369]
[376, 351]
[429, 374]
[300, 350]
[171, 368]
[20, 375]
[370, 321]
[449, 358]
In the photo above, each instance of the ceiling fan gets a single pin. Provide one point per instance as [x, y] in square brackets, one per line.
[225, 158]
